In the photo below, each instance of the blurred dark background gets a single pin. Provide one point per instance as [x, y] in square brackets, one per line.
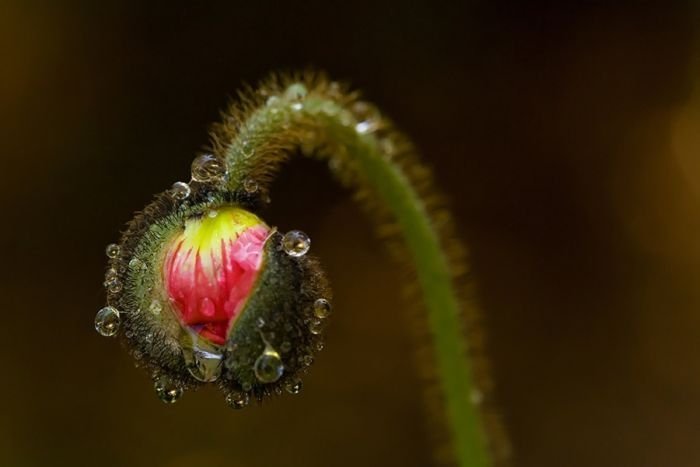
[566, 135]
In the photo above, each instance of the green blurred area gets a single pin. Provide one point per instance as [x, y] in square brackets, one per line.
[566, 136]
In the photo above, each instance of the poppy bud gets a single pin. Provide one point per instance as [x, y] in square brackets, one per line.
[207, 292]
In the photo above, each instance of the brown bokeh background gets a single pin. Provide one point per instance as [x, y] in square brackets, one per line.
[566, 136]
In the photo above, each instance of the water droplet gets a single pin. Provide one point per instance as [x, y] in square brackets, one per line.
[111, 275]
[296, 243]
[213, 213]
[363, 127]
[107, 321]
[367, 117]
[319, 345]
[114, 286]
[204, 365]
[246, 386]
[293, 386]
[297, 106]
[315, 327]
[285, 347]
[166, 390]
[180, 191]
[260, 322]
[295, 92]
[155, 307]
[237, 399]
[112, 250]
[268, 367]
[208, 168]
[136, 264]
[307, 360]
[273, 101]
[322, 308]
[250, 185]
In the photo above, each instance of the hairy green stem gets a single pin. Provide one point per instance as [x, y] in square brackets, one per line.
[326, 124]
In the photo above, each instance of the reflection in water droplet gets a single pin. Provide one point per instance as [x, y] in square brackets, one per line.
[203, 363]
[111, 275]
[367, 117]
[295, 92]
[296, 243]
[268, 367]
[114, 286]
[250, 185]
[112, 250]
[166, 390]
[156, 307]
[208, 168]
[315, 327]
[237, 399]
[293, 386]
[180, 191]
[107, 321]
[322, 308]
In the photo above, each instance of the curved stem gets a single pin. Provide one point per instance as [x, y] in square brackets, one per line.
[323, 122]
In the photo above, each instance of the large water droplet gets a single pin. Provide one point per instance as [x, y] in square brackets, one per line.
[296, 243]
[180, 191]
[237, 399]
[208, 168]
[322, 308]
[107, 321]
[203, 364]
[166, 390]
[112, 250]
[268, 367]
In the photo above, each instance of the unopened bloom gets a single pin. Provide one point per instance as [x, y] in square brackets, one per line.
[211, 267]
